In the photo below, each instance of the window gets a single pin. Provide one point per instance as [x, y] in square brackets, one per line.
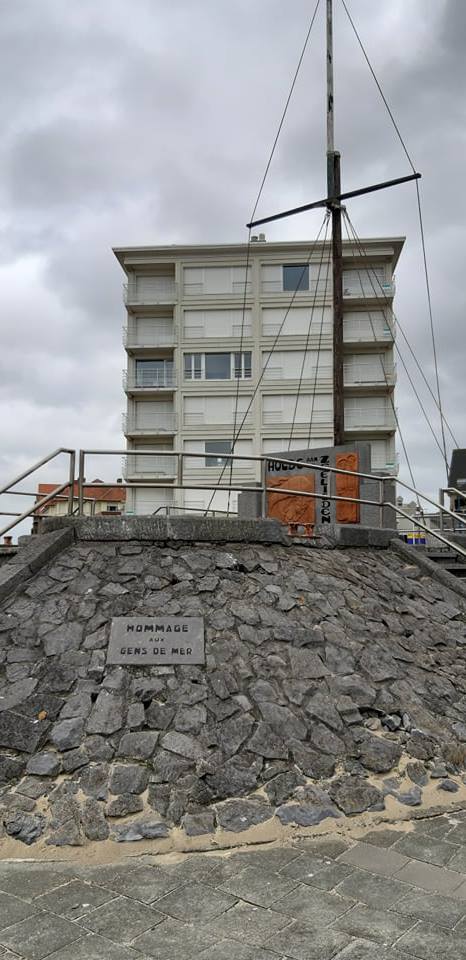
[217, 447]
[112, 508]
[243, 365]
[154, 373]
[217, 366]
[296, 276]
[193, 366]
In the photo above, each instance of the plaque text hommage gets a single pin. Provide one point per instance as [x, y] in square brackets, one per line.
[137, 641]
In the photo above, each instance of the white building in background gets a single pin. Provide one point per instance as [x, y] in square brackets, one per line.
[199, 331]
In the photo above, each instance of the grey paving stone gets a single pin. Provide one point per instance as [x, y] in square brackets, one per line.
[306, 943]
[275, 858]
[431, 907]
[28, 882]
[313, 906]
[429, 942]
[258, 885]
[382, 838]
[142, 883]
[373, 890]
[460, 892]
[171, 940]
[195, 902]
[74, 899]
[368, 950]
[364, 922]
[326, 847]
[418, 846]
[330, 875]
[195, 868]
[458, 860]
[365, 855]
[457, 832]
[304, 868]
[12, 910]
[38, 936]
[121, 920]
[429, 877]
[94, 948]
[229, 950]
[248, 924]
[437, 827]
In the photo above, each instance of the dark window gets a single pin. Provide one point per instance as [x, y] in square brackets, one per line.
[192, 366]
[296, 277]
[217, 447]
[243, 365]
[153, 373]
[217, 366]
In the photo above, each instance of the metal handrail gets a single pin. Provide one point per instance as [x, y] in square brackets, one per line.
[7, 488]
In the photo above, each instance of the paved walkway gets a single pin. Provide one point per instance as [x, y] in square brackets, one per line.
[393, 895]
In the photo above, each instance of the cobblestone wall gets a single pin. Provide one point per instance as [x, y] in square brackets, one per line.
[328, 674]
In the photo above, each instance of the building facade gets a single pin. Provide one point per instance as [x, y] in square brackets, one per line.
[218, 338]
[100, 499]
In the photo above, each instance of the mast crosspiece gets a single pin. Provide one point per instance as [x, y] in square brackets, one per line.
[333, 203]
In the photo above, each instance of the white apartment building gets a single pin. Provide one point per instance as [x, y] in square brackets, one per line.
[204, 335]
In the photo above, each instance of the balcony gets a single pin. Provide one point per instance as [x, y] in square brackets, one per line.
[162, 424]
[271, 418]
[322, 373]
[367, 290]
[150, 291]
[319, 288]
[237, 288]
[160, 336]
[362, 420]
[362, 376]
[148, 383]
[365, 332]
[146, 466]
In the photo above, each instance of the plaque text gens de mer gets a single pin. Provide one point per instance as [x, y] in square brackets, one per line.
[136, 641]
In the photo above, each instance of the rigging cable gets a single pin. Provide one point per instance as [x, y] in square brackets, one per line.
[272, 349]
[308, 337]
[421, 226]
[259, 194]
[370, 269]
[356, 240]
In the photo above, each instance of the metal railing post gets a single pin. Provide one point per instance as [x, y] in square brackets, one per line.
[441, 500]
[81, 479]
[382, 500]
[263, 488]
[71, 490]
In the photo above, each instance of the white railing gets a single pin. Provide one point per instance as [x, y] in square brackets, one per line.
[237, 288]
[362, 332]
[362, 375]
[323, 372]
[321, 287]
[378, 289]
[270, 417]
[160, 336]
[362, 420]
[273, 328]
[201, 419]
[165, 423]
[150, 291]
[151, 465]
[149, 381]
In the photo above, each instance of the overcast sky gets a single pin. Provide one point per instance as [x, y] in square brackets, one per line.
[151, 122]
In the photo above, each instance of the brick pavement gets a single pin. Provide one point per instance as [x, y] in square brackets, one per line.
[394, 895]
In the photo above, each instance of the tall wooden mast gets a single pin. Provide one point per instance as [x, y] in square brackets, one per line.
[334, 204]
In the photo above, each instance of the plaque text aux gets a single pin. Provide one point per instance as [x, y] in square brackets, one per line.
[136, 641]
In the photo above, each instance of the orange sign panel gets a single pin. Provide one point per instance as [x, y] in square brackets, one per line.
[346, 486]
[292, 508]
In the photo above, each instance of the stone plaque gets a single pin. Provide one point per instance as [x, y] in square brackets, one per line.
[136, 641]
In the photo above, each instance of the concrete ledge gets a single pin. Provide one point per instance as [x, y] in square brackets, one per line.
[413, 555]
[184, 528]
[31, 558]
[341, 535]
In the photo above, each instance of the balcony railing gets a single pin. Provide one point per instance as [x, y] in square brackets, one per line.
[198, 289]
[377, 289]
[364, 420]
[150, 291]
[147, 465]
[362, 376]
[160, 336]
[378, 331]
[320, 287]
[149, 381]
[164, 423]
[284, 417]
[323, 372]
[203, 419]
